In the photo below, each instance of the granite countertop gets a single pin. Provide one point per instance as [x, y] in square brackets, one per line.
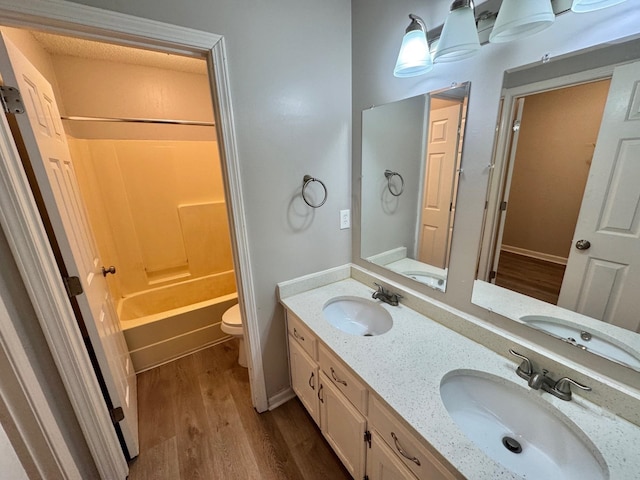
[405, 365]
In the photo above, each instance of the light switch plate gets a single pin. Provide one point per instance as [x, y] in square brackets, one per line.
[345, 219]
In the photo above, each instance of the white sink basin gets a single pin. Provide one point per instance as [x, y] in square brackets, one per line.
[518, 429]
[574, 334]
[357, 316]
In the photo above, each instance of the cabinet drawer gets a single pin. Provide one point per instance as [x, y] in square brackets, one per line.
[303, 335]
[343, 379]
[411, 452]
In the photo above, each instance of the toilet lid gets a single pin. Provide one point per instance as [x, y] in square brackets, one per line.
[232, 316]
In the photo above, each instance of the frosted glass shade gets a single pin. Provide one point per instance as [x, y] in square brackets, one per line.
[521, 18]
[414, 57]
[459, 38]
[582, 6]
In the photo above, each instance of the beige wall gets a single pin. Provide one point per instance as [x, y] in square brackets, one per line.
[107, 89]
[157, 208]
[557, 137]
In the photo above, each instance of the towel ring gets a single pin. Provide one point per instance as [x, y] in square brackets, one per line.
[306, 180]
[389, 174]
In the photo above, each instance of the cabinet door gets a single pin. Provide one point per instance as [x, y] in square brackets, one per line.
[343, 427]
[304, 378]
[383, 464]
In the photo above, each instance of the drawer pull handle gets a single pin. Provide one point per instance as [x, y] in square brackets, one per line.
[312, 382]
[297, 335]
[402, 452]
[336, 379]
[320, 396]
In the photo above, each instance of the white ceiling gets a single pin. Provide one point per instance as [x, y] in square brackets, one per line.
[75, 47]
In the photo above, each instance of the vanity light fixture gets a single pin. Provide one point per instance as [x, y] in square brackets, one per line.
[582, 6]
[459, 37]
[414, 57]
[521, 18]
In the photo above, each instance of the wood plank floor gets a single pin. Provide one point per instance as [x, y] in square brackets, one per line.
[196, 421]
[530, 276]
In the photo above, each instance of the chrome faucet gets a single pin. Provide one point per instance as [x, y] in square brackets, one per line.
[386, 296]
[540, 380]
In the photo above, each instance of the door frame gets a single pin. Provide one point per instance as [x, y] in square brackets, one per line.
[30, 246]
[501, 167]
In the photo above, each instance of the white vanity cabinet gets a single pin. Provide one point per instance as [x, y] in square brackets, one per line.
[305, 379]
[343, 427]
[412, 453]
[367, 436]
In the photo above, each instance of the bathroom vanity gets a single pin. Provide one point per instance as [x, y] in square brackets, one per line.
[380, 403]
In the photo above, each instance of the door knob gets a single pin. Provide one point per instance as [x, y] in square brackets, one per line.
[583, 244]
[106, 271]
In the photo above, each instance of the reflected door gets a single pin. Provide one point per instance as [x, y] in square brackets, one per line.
[602, 278]
[46, 145]
[442, 154]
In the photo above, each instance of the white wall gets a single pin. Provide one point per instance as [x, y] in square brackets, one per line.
[395, 141]
[377, 29]
[290, 70]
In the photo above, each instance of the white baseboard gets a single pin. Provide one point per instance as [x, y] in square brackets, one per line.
[538, 255]
[281, 397]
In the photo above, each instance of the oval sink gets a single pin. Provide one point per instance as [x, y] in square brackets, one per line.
[428, 279]
[357, 316]
[518, 429]
[590, 340]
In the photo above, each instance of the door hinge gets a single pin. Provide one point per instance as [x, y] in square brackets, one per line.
[116, 414]
[503, 206]
[73, 286]
[11, 100]
[367, 437]
[492, 274]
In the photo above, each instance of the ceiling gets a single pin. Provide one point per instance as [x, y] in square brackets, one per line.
[76, 47]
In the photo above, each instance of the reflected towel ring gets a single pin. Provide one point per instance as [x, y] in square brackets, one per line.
[306, 180]
[389, 174]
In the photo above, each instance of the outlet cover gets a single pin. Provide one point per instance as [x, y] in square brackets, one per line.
[345, 219]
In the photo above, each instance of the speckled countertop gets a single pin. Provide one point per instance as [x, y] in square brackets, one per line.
[405, 366]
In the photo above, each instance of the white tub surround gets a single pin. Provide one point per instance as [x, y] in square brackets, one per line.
[404, 368]
[166, 323]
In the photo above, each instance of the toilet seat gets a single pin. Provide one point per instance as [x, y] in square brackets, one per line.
[232, 321]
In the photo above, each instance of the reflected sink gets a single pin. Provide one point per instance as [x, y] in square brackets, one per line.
[593, 341]
[518, 429]
[357, 316]
[426, 278]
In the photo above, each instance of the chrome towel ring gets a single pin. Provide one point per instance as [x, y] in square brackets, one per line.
[306, 180]
[389, 174]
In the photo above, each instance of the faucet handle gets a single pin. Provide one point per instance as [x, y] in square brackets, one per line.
[563, 387]
[525, 367]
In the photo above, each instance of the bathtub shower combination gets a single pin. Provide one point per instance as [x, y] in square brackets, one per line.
[164, 323]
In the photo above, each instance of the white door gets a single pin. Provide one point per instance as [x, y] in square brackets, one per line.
[511, 162]
[602, 279]
[437, 200]
[46, 146]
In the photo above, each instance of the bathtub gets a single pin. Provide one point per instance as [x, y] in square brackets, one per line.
[165, 323]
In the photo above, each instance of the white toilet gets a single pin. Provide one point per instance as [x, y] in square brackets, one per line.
[232, 325]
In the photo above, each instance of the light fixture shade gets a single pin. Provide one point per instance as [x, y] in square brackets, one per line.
[582, 6]
[459, 38]
[521, 18]
[414, 57]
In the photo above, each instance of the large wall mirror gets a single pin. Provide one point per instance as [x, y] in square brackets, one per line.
[411, 153]
[561, 244]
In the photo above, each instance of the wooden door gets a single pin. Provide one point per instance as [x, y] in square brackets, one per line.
[46, 145]
[437, 197]
[304, 379]
[343, 427]
[383, 464]
[603, 280]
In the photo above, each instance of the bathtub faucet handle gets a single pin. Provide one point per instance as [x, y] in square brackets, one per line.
[106, 271]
